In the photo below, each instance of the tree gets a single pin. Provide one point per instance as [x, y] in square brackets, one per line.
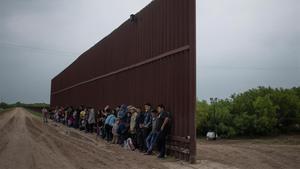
[259, 111]
[265, 115]
[3, 105]
[202, 117]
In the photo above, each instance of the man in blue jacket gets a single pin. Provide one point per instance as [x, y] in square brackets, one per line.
[109, 122]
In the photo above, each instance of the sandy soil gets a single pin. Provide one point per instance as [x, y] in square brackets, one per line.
[271, 153]
[27, 143]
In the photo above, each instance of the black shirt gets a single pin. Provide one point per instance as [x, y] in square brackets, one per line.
[160, 121]
[139, 120]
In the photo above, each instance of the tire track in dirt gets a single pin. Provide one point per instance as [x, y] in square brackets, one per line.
[59, 143]
[46, 141]
[18, 148]
[4, 131]
[79, 150]
[27, 143]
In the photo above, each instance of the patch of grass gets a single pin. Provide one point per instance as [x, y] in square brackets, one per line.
[5, 110]
[34, 113]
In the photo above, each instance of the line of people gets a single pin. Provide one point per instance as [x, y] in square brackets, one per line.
[131, 127]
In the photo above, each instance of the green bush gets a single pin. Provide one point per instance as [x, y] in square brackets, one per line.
[256, 112]
[19, 104]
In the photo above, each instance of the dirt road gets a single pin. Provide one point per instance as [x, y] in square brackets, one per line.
[27, 143]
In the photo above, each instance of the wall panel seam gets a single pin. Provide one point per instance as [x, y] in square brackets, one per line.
[166, 54]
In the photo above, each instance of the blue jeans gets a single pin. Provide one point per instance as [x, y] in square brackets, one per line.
[151, 140]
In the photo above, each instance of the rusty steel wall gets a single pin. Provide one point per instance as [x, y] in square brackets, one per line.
[151, 59]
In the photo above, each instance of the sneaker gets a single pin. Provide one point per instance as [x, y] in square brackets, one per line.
[160, 156]
[148, 153]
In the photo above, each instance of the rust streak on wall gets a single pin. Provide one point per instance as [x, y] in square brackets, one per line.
[149, 60]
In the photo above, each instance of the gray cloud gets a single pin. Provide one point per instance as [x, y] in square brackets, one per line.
[244, 44]
[240, 44]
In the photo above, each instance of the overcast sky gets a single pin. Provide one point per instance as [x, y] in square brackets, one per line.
[241, 44]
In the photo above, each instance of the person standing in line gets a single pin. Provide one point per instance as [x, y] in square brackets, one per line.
[82, 119]
[162, 128]
[109, 122]
[76, 115]
[102, 127]
[151, 139]
[45, 115]
[91, 120]
[122, 113]
[132, 129]
[139, 128]
[147, 124]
